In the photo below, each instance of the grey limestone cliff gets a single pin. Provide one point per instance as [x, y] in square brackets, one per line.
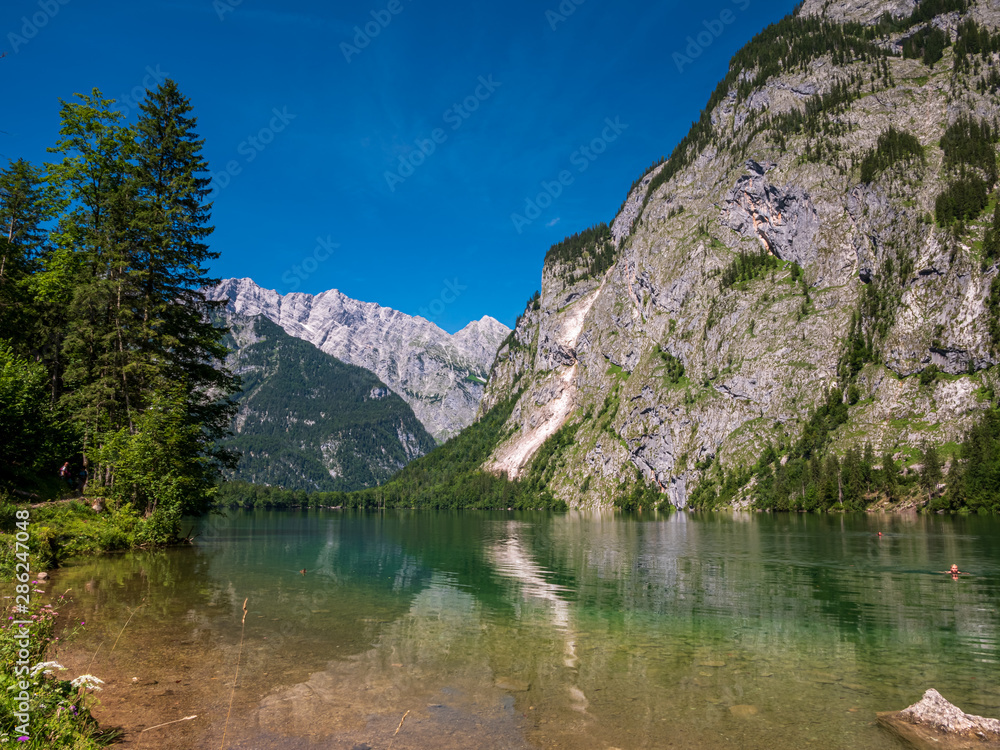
[777, 172]
[440, 375]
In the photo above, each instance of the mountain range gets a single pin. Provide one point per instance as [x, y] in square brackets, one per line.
[804, 294]
[441, 376]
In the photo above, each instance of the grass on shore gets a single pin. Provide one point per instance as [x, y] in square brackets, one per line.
[59, 708]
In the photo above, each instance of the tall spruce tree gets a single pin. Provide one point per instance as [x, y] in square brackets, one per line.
[143, 376]
[87, 271]
[25, 207]
[181, 348]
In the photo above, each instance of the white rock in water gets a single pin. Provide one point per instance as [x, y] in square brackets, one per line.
[933, 722]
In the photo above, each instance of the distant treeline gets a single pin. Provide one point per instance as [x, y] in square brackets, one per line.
[448, 477]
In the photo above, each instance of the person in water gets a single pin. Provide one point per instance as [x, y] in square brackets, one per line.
[955, 572]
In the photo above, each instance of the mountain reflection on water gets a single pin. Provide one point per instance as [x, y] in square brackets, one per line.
[520, 630]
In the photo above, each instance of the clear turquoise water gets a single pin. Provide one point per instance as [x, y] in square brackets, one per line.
[509, 630]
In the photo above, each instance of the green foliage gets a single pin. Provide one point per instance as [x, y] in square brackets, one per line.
[963, 199]
[857, 351]
[969, 152]
[26, 206]
[893, 146]
[587, 253]
[991, 239]
[968, 143]
[106, 258]
[822, 422]
[972, 40]
[930, 473]
[924, 11]
[718, 488]
[927, 44]
[928, 375]
[642, 496]
[448, 477]
[30, 432]
[974, 479]
[671, 369]
[746, 267]
[547, 459]
[790, 44]
[823, 482]
[59, 711]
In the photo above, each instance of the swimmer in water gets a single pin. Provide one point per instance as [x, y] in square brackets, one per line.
[955, 572]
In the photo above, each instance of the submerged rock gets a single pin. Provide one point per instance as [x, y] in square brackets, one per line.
[933, 722]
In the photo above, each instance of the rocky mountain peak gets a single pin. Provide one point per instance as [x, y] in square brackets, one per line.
[440, 375]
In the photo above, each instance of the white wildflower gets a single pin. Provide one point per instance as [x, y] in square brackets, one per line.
[87, 681]
[46, 667]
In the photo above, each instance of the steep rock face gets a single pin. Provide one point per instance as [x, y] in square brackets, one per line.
[783, 219]
[861, 11]
[682, 359]
[441, 376]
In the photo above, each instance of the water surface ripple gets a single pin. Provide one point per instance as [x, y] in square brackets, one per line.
[519, 630]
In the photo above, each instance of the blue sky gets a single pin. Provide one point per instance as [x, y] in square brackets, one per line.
[389, 164]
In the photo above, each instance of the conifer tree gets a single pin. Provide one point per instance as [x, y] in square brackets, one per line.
[930, 475]
[143, 376]
[25, 206]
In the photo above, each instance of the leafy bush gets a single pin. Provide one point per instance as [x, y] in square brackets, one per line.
[671, 369]
[968, 143]
[927, 44]
[59, 709]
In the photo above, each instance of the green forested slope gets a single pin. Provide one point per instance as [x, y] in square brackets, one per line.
[308, 421]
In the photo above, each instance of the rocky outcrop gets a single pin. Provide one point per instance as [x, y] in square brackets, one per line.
[782, 219]
[934, 723]
[622, 226]
[862, 11]
[440, 375]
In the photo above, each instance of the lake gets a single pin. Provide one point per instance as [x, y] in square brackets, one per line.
[520, 630]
